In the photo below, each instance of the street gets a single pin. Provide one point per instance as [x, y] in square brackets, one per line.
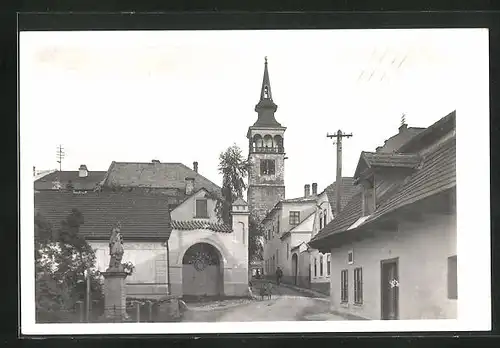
[286, 304]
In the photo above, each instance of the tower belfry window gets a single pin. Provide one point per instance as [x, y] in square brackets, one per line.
[267, 167]
[266, 92]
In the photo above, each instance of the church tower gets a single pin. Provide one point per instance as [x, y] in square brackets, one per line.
[266, 154]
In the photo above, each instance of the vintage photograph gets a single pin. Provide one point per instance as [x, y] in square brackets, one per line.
[196, 179]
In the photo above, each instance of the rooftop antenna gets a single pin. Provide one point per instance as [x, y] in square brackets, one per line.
[403, 119]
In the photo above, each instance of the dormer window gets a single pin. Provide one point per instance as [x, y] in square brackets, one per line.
[368, 197]
[201, 209]
[324, 218]
[320, 220]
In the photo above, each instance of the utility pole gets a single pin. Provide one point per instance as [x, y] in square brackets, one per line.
[60, 156]
[338, 136]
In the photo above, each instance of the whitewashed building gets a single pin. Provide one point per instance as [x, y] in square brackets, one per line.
[171, 232]
[393, 247]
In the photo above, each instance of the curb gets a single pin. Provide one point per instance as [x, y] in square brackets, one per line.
[306, 291]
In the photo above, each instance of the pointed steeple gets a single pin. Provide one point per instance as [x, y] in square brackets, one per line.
[265, 92]
[266, 107]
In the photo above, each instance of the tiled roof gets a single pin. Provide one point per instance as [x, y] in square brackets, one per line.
[347, 191]
[391, 159]
[142, 217]
[403, 136]
[87, 183]
[436, 174]
[351, 212]
[239, 201]
[436, 130]
[200, 225]
[156, 175]
[311, 198]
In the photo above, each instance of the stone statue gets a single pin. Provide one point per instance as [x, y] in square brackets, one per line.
[115, 248]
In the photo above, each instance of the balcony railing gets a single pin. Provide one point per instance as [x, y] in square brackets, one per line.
[263, 149]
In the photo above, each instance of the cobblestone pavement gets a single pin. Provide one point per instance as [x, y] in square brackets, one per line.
[286, 304]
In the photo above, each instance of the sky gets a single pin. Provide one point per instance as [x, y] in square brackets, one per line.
[184, 96]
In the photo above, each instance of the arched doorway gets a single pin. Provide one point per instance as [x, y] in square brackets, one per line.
[202, 271]
[295, 268]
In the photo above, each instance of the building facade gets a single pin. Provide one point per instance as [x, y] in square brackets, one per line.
[393, 246]
[171, 231]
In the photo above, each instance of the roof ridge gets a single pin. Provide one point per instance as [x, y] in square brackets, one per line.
[198, 174]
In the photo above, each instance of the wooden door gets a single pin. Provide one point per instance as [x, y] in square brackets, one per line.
[295, 268]
[390, 289]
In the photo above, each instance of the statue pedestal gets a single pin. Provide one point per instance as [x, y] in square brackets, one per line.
[114, 295]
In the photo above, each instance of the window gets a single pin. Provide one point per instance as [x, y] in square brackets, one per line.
[344, 296]
[358, 285]
[294, 218]
[315, 268]
[201, 208]
[328, 266]
[287, 251]
[321, 265]
[267, 167]
[320, 220]
[452, 278]
[350, 257]
[277, 257]
[368, 199]
[324, 218]
[273, 264]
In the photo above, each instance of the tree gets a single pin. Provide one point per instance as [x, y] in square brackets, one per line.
[61, 260]
[255, 234]
[234, 169]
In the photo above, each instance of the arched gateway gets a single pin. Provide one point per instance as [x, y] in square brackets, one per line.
[202, 271]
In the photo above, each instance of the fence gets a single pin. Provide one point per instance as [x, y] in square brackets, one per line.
[134, 311]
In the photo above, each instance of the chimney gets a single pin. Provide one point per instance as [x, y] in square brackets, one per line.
[195, 166]
[403, 128]
[307, 190]
[314, 189]
[83, 171]
[189, 186]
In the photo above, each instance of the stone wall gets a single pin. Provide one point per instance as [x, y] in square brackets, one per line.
[262, 199]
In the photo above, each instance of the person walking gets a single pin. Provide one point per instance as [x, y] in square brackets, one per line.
[279, 275]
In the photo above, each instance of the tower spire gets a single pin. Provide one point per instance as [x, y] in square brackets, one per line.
[266, 107]
[265, 92]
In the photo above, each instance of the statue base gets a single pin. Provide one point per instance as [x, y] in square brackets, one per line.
[114, 295]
